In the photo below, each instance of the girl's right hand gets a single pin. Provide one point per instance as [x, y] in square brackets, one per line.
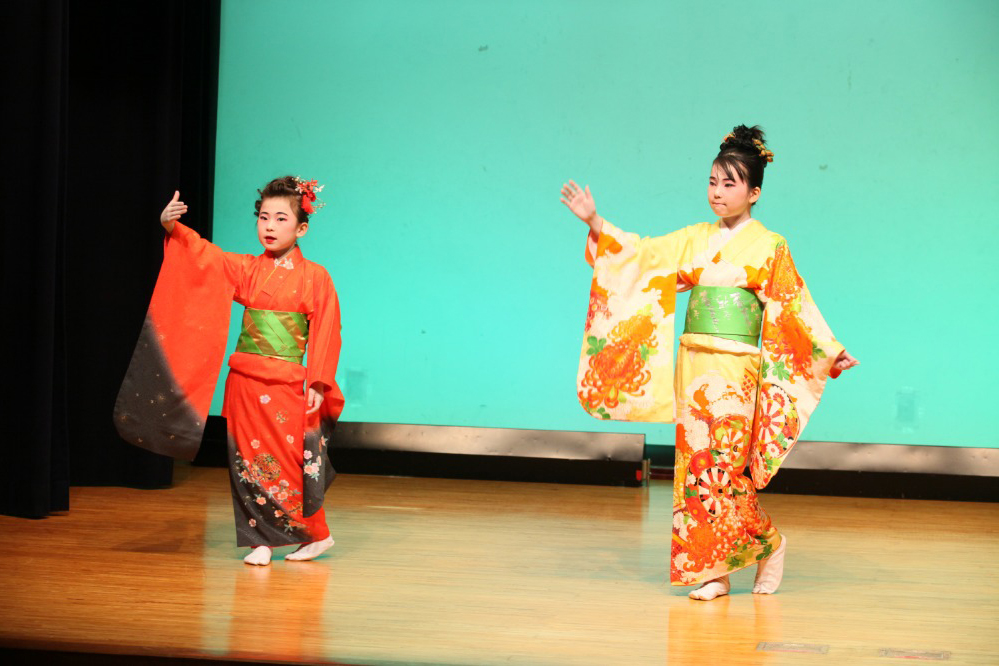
[580, 202]
[172, 212]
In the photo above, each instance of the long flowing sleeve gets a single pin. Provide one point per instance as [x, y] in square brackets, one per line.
[322, 358]
[626, 362]
[163, 402]
[324, 342]
[798, 352]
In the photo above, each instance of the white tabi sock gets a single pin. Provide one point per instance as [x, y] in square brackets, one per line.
[310, 550]
[770, 571]
[713, 589]
[260, 556]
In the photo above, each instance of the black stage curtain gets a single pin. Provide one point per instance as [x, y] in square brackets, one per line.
[114, 108]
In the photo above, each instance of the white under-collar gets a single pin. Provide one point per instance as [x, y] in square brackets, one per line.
[730, 231]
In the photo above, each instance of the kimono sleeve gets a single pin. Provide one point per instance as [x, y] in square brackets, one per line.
[797, 355]
[163, 402]
[324, 342]
[626, 362]
[323, 355]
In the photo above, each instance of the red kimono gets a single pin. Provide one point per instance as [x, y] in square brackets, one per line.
[279, 463]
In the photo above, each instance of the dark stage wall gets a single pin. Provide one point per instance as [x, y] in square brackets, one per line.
[114, 107]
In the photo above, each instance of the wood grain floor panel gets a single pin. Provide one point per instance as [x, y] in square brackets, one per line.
[433, 571]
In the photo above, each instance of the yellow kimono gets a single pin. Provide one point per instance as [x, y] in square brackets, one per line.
[734, 403]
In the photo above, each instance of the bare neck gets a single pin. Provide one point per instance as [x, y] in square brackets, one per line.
[735, 220]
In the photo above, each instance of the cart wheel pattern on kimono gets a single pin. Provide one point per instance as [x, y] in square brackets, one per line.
[708, 494]
[777, 427]
[718, 526]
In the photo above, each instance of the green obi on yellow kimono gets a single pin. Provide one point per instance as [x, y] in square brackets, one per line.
[725, 312]
[281, 335]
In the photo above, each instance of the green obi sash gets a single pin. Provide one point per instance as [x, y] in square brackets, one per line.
[276, 334]
[733, 313]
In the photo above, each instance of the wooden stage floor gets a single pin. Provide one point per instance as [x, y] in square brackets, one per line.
[430, 571]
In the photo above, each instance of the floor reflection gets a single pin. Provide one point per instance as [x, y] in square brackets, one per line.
[729, 628]
[275, 610]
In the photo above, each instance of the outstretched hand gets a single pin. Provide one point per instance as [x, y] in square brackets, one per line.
[580, 202]
[315, 401]
[843, 362]
[172, 212]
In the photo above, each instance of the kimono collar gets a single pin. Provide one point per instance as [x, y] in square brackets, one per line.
[291, 259]
[744, 235]
[736, 229]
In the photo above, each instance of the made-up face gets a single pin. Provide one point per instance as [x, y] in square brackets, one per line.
[730, 197]
[277, 227]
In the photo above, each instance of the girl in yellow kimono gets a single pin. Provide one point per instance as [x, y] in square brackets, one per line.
[753, 361]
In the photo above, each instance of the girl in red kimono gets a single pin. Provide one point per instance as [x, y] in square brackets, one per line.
[279, 412]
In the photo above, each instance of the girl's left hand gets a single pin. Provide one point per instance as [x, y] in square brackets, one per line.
[844, 361]
[315, 401]
[580, 202]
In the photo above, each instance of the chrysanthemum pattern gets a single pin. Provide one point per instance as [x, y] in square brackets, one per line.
[790, 343]
[617, 365]
[731, 433]
[718, 525]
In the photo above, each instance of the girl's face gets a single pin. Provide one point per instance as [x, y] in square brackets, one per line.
[277, 227]
[729, 196]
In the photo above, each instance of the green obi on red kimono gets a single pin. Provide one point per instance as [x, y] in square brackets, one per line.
[733, 313]
[281, 335]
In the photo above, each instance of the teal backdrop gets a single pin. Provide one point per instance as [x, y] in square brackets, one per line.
[443, 130]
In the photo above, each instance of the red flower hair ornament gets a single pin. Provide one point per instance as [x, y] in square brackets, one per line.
[308, 189]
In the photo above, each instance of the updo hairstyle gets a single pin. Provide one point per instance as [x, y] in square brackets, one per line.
[286, 186]
[744, 152]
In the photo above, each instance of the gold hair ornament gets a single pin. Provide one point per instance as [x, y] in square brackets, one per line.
[764, 153]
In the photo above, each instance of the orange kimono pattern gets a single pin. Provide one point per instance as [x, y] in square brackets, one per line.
[737, 406]
[279, 457]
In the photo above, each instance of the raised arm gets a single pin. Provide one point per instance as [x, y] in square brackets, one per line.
[580, 202]
[172, 212]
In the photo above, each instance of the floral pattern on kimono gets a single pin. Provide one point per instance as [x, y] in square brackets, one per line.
[279, 458]
[736, 405]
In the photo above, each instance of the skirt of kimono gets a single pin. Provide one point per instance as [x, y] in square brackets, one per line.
[271, 461]
[718, 525]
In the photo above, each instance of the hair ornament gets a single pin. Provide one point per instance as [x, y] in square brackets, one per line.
[308, 189]
[764, 153]
[730, 135]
